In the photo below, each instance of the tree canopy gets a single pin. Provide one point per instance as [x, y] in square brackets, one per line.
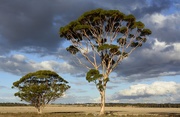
[40, 87]
[107, 32]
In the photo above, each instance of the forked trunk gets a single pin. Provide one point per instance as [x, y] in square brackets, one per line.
[102, 102]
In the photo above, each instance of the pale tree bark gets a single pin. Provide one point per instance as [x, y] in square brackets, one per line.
[102, 110]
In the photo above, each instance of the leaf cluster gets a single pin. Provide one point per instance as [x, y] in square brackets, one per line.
[72, 49]
[93, 75]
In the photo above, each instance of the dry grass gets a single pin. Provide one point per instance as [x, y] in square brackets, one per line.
[71, 111]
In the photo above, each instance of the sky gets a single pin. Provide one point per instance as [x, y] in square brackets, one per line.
[29, 41]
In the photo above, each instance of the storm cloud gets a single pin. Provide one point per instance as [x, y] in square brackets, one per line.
[32, 27]
[35, 24]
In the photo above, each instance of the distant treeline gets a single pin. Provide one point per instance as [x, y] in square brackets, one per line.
[13, 104]
[150, 105]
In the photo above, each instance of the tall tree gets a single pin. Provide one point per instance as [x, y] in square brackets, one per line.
[104, 38]
[40, 87]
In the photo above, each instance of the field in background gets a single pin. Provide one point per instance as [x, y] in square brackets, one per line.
[72, 111]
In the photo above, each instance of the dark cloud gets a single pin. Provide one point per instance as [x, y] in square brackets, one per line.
[139, 8]
[35, 23]
[125, 6]
[154, 6]
[167, 34]
[111, 87]
[27, 24]
[119, 97]
[15, 64]
[32, 27]
[164, 27]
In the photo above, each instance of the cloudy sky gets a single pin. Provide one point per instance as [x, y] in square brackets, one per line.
[29, 41]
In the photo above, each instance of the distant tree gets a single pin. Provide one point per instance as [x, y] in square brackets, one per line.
[40, 87]
[104, 38]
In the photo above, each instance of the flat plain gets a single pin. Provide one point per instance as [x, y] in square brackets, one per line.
[65, 110]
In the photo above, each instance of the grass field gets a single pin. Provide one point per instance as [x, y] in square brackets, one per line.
[73, 111]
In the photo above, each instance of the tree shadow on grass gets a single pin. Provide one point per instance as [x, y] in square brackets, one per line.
[111, 113]
[114, 111]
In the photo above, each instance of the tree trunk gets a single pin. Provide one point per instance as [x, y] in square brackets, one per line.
[39, 110]
[102, 102]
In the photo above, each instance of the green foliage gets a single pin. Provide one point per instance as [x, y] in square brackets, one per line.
[93, 75]
[130, 18]
[145, 32]
[40, 87]
[115, 51]
[123, 30]
[141, 39]
[107, 46]
[134, 44]
[72, 49]
[138, 25]
[80, 27]
[122, 41]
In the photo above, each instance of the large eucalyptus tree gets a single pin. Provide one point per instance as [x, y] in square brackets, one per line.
[104, 38]
[40, 87]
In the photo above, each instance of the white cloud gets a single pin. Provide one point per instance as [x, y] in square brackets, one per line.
[155, 92]
[176, 46]
[164, 50]
[62, 67]
[158, 45]
[158, 19]
[2, 56]
[20, 65]
[134, 90]
[162, 21]
[160, 48]
[167, 73]
[19, 57]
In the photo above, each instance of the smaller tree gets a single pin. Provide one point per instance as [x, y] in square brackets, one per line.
[40, 87]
